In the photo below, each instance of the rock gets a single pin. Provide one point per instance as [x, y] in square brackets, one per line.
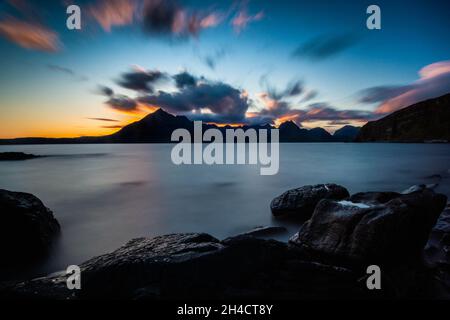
[264, 231]
[437, 250]
[372, 227]
[10, 156]
[300, 202]
[190, 266]
[420, 187]
[27, 227]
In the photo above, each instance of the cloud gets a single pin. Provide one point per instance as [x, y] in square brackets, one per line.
[294, 88]
[184, 79]
[213, 101]
[382, 93]
[122, 103]
[434, 81]
[140, 80]
[227, 103]
[110, 13]
[66, 71]
[117, 102]
[323, 111]
[168, 17]
[112, 127]
[105, 91]
[211, 60]
[103, 119]
[29, 35]
[311, 94]
[325, 46]
[242, 19]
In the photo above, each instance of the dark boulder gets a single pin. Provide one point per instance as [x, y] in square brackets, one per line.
[372, 227]
[27, 227]
[437, 251]
[300, 202]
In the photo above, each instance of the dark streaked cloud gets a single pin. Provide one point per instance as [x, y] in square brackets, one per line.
[294, 88]
[213, 59]
[381, 93]
[140, 80]
[66, 71]
[325, 46]
[221, 99]
[169, 17]
[118, 102]
[103, 119]
[309, 95]
[122, 103]
[184, 79]
[105, 91]
[112, 127]
[323, 111]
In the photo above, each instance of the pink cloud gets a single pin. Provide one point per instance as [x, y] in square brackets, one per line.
[434, 81]
[242, 19]
[29, 35]
[110, 13]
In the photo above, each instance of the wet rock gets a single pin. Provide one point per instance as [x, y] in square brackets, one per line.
[27, 227]
[420, 187]
[372, 227]
[265, 231]
[437, 250]
[10, 156]
[181, 266]
[300, 202]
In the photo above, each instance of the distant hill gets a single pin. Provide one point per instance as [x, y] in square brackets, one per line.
[346, 133]
[157, 127]
[421, 122]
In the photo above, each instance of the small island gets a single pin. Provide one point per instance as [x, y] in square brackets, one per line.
[15, 156]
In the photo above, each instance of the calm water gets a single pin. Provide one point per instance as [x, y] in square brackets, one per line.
[104, 195]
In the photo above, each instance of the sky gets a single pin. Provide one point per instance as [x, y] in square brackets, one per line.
[225, 62]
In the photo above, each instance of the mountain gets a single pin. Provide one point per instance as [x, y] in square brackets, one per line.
[157, 127]
[346, 133]
[290, 132]
[319, 135]
[421, 122]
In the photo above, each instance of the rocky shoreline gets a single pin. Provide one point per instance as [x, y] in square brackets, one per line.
[406, 234]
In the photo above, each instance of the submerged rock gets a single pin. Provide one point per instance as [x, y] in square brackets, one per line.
[372, 227]
[10, 156]
[27, 227]
[300, 202]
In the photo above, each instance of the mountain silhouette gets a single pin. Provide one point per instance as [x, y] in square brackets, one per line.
[421, 122]
[157, 127]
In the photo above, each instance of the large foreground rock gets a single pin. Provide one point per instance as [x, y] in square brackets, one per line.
[27, 227]
[300, 202]
[372, 227]
[437, 251]
[189, 266]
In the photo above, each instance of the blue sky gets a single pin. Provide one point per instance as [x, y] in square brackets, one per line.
[50, 80]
